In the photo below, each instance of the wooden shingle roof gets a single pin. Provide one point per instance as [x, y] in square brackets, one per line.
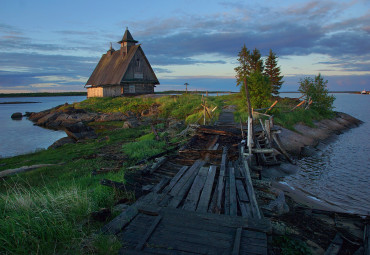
[112, 68]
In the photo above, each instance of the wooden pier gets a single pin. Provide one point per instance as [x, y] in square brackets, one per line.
[205, 207]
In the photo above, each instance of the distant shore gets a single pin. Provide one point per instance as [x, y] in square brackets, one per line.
[43, 94]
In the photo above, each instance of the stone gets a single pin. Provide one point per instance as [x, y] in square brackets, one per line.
[17, 115]
[131, 123]
[117, 116]
[61, 142]
[80, 131]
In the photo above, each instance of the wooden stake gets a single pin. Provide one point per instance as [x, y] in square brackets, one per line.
[269, 109]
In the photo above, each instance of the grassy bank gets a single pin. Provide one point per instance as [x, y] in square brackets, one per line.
[48, 210]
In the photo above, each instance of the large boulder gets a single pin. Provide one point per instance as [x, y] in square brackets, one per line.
[80, 131]
[131, 123]
[61, 142]
[17, 116]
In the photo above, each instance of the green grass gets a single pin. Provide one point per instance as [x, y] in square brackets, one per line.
[290, 246]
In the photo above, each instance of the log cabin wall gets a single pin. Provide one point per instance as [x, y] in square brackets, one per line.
[95, 92]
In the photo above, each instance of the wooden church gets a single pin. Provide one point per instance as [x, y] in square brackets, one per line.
[122, 72]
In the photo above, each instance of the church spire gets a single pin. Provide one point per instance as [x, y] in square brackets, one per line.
[126, 42]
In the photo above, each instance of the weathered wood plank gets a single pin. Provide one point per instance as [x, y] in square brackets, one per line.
[207, 190]
[212, 206]
[221, 180]
[157, 188]
[233, 201]
[334, 246]
[122, 220]
[252, 197]
[236, 246]
[145, 238]
[261, 225]
[241, 191]
[192, 198]
[182, 181]
[367, 239]
[181, 193]
[227, 193]
[175, 179]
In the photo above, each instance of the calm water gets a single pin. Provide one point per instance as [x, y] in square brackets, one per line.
[21, 136]
[340, 173]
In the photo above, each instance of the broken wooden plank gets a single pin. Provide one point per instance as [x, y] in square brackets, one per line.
[145, 238]
[175, 179]
[367, 239]
[334, 246]
[252, 197]
[164, 181]
[233, 202]
[192, 198]
[221, 179]
[181, 193]
[215, 131]
[236, 246]
[122, 220]
[227, 193]
[241, 191]
[212, 206]
[178, 186]
[207, 190]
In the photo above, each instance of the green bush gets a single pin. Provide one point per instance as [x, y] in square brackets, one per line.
[259, 90]
[316, 90]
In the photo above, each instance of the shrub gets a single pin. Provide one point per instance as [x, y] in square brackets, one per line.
[316, 90]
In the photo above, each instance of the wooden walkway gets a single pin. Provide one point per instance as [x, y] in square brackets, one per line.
[203, 209]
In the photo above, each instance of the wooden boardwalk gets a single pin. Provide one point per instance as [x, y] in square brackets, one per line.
[204, 208]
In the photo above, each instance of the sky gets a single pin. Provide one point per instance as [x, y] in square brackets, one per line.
[49, 45]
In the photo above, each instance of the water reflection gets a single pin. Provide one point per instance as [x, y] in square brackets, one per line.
[340, 172]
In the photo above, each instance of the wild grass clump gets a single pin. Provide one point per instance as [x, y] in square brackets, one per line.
[117, 104]
[43, 221]
[307, 117]
[143, 149]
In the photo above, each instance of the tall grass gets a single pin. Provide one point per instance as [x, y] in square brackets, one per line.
[42, 221]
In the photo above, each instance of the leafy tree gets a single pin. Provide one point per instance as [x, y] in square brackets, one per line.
[259, 89]
[272, 70]
[316, 90]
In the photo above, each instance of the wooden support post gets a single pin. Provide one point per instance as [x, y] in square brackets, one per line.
[268, 129]
[207, 93]
[250, 135]
[272, 106]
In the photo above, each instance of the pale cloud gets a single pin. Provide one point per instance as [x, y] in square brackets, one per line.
[62, 79]
[44, 85]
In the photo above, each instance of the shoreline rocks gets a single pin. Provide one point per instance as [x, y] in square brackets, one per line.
[301, 141]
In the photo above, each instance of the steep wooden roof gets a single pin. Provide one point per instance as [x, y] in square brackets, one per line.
[111, 69]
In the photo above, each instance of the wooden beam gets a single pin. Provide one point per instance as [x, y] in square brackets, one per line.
[238, 236]
[205, 196]
[221, 179]
[192, 198]
[147, 235]
[233, 201]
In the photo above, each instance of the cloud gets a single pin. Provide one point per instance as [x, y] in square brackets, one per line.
[44, 85]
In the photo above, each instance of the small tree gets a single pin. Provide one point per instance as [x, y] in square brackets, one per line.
[256, 63]
[272, 70]
[243, 70]
[259, 89]
[316, 90]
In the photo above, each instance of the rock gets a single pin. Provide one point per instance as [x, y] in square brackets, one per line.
[28, 114]
[80, 131]
[131, 123]
[61, 142]
[101, 215]
[35, 116]
[278, 206]
[17, 115]
[117, 116]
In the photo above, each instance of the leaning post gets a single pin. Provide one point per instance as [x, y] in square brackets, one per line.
[250, 120]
